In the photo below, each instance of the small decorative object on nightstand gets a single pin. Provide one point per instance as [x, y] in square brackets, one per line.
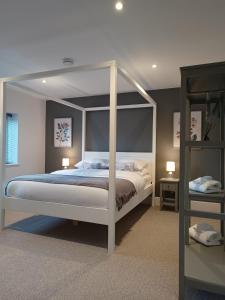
[169, 189]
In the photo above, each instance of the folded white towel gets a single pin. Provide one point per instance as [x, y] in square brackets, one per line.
[203, 227]
[205, 184]
[210, 236]
[206, 237]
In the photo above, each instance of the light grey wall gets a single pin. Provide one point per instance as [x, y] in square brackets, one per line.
[31, 116]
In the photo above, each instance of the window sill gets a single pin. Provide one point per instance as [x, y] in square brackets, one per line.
[11, 165]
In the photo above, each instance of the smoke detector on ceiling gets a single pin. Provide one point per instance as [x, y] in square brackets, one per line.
[68, 61]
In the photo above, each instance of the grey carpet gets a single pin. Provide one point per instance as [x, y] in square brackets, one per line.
[49, 258]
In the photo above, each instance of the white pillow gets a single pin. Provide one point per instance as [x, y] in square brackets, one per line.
[125, 165]
[144, 172]
[79, 165]
[104, 163]
[140, 165]
[93, 164]
[87, 165]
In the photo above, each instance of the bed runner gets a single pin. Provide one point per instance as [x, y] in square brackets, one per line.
[125, 189]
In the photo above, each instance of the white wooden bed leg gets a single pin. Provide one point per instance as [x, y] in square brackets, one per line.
[154, 153]
[148, 201]
[2, 219]
[153, 197]
[111, 238]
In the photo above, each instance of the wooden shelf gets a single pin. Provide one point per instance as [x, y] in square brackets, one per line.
[205, 264]
[201, 97]
[205, 144]
[204, 214]
[214, 198]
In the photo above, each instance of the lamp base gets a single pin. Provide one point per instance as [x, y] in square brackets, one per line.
[170, 174]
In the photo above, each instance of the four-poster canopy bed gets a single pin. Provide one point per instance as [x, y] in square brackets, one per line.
[109, 215]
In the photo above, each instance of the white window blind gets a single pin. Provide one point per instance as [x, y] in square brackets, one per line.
[11, 138]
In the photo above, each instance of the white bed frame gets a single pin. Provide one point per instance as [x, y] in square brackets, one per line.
[108, 216]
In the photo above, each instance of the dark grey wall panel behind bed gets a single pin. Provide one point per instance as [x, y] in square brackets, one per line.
[134, 130]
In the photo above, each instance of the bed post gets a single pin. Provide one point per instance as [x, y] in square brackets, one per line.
[83, 133]
[112, 157]
[2, 153]
[154, 151]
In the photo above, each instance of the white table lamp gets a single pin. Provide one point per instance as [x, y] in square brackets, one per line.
[65, 162]
[170, 167]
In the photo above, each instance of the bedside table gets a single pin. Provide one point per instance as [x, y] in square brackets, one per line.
[169, 189]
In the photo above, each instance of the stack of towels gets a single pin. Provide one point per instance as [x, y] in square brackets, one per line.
[205, 234]
[205, 184]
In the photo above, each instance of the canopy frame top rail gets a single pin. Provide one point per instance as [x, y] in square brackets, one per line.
[78, 69]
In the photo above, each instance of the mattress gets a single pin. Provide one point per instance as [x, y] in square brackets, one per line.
[75, 195]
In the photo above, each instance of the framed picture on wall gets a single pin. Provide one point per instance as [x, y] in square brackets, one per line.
[62, 132]
[196, 127]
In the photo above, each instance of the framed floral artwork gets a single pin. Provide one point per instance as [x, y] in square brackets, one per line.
[63, 132]
[195, 130]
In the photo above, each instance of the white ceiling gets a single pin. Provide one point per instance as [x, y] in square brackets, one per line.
[36, 35]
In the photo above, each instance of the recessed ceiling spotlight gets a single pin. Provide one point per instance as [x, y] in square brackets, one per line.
[119, 5]
[44, 81]
[154, 66]
[68, 61]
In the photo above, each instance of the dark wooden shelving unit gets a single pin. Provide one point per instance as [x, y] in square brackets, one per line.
[200, 267]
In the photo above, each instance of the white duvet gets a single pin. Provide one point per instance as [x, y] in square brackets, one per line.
[71, 194]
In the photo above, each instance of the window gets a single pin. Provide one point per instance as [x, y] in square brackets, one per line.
[11, 138]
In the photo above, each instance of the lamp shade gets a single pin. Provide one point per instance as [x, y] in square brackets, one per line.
[65, 162]
[170, 166]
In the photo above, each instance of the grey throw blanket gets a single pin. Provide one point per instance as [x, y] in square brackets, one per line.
[125, 189]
